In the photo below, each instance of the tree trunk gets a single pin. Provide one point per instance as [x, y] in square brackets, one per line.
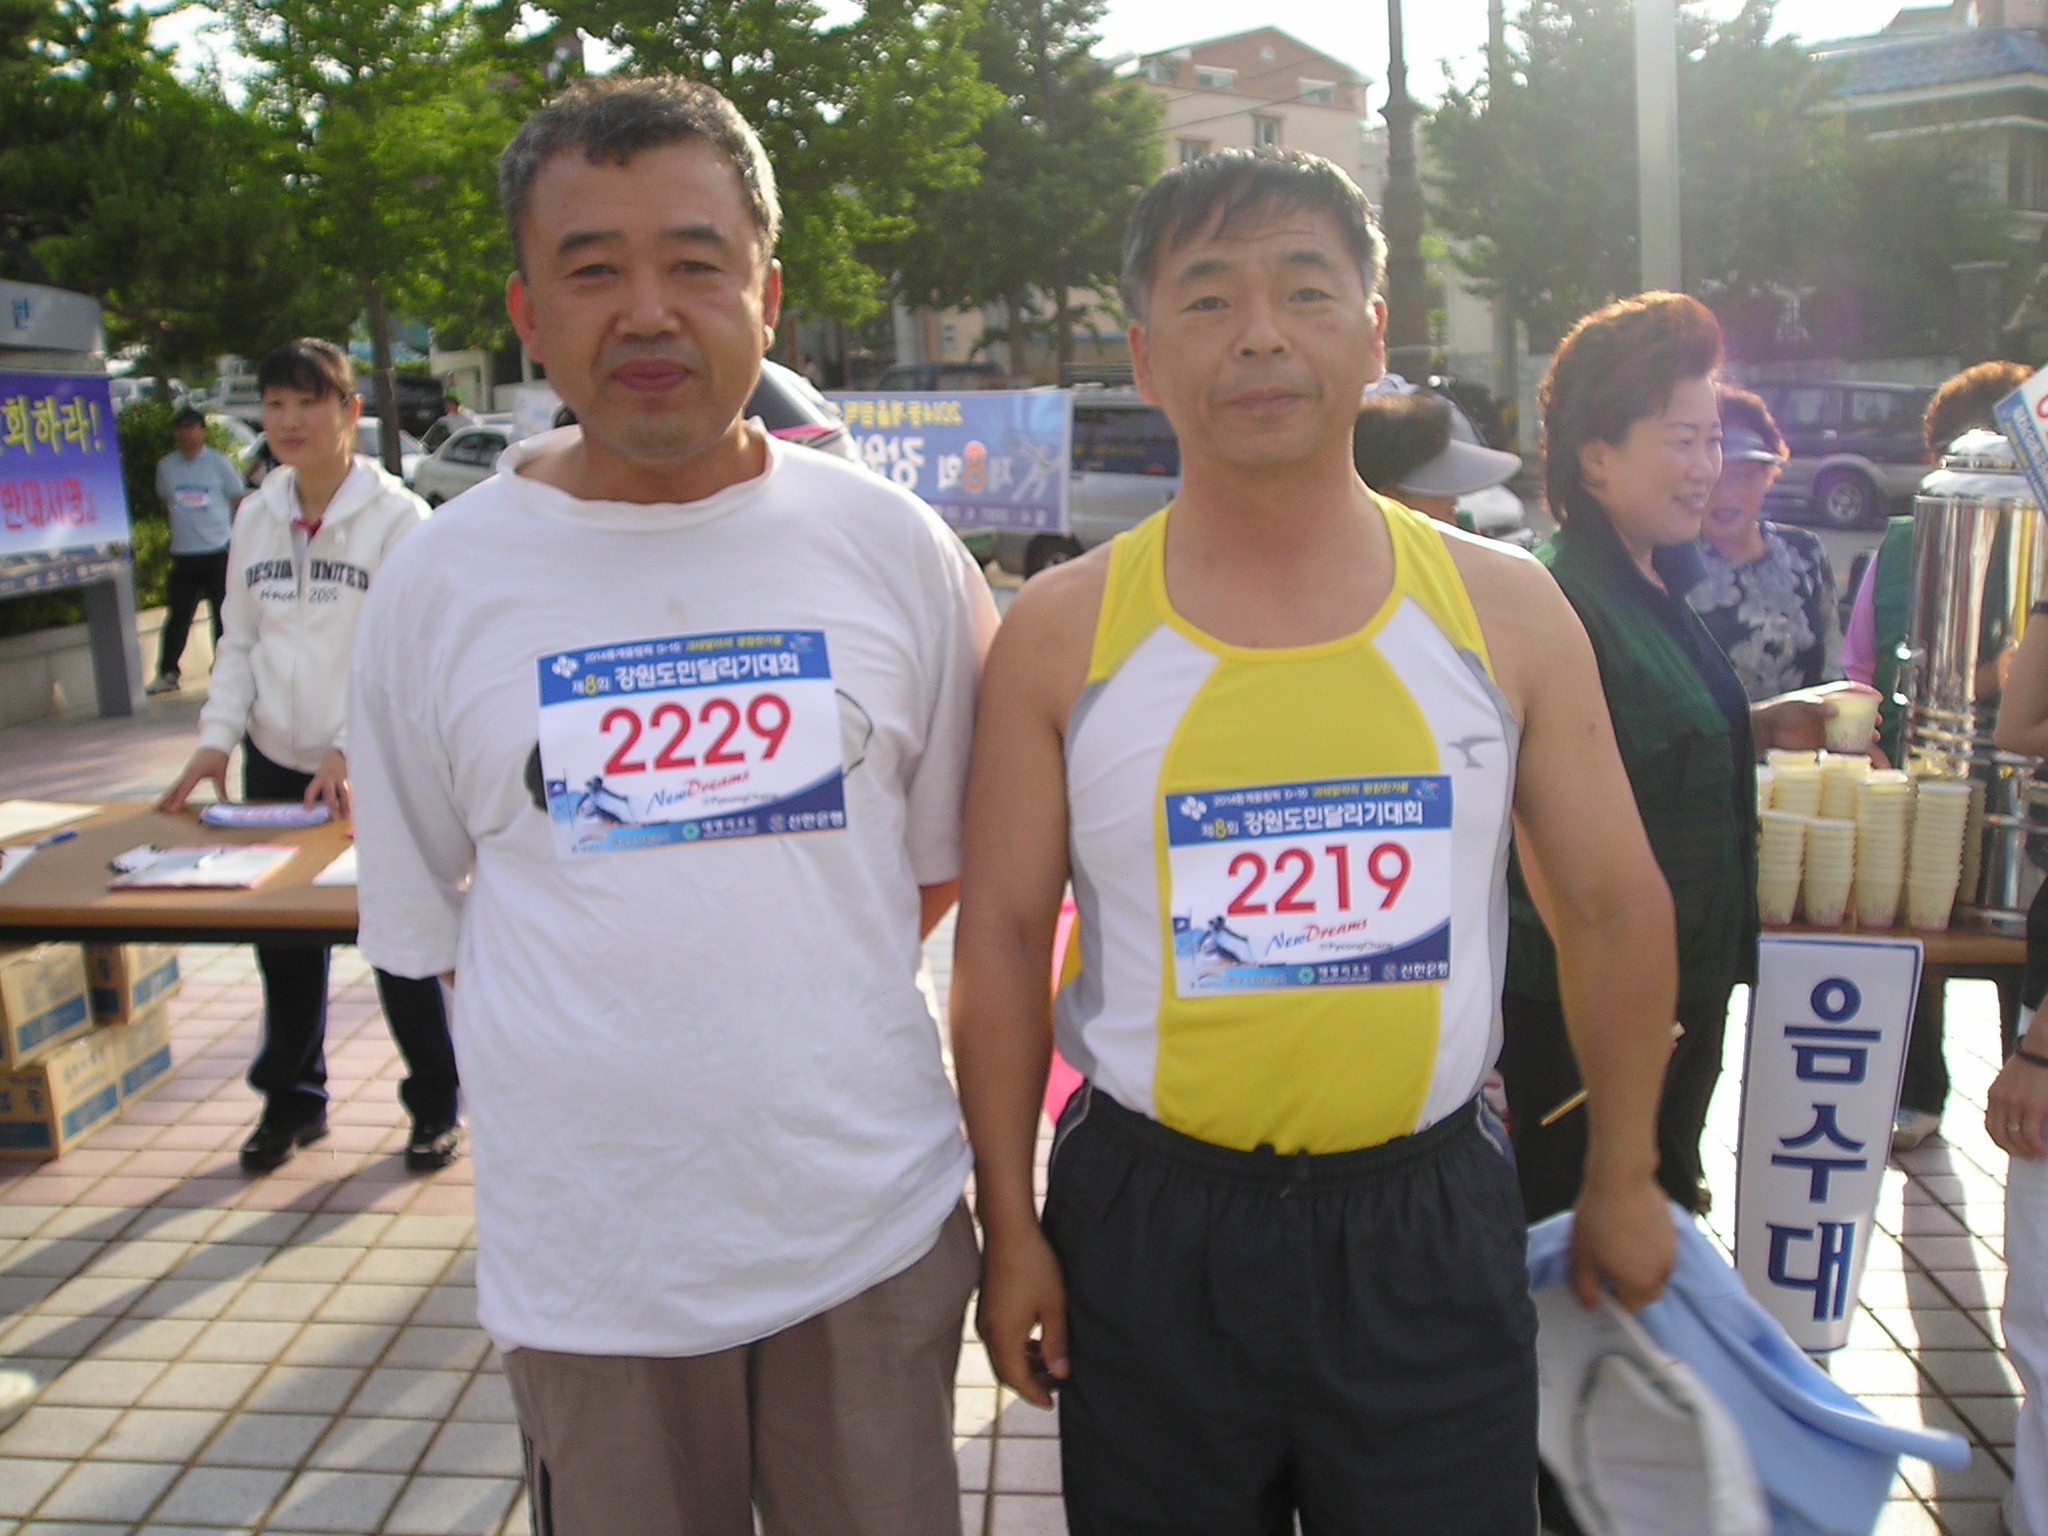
[386, 377]
[1019, 363]
[1063, 318]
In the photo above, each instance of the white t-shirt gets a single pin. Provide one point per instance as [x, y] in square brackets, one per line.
[705, 1094]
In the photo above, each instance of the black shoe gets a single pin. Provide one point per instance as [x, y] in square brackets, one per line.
[273, 1142]
[434, 1144]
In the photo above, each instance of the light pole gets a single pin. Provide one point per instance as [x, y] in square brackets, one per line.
[1408, 348]
[1507, 382]
[1657, 142]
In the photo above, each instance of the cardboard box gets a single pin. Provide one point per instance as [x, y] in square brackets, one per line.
[42, 1001]
[47, 1107]
[142, 1050]
[127, 978]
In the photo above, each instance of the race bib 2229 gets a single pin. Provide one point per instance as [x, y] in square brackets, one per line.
[692, 738]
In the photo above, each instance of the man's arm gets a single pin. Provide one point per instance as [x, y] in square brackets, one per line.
[1594, 879]
[1014, 871]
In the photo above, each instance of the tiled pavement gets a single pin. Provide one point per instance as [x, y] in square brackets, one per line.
[300, 1353]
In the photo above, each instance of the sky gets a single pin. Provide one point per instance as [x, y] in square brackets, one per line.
[1353, 31]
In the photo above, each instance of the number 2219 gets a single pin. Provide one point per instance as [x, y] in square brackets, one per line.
[1386, 866]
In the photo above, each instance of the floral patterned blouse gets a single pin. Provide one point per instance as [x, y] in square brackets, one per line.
[1774, 616]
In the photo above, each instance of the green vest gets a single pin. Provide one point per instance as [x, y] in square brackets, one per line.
[1695, 787]
[1891, 571]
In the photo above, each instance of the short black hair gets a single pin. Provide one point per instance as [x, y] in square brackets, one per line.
[187, 417]
[614, 117]
[1395, 435]
[320, 368]
[1210, 194]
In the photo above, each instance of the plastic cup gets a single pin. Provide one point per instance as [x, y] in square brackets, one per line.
[1853, 725]
[1776, 900]
[1927, 909]
[1877, 908]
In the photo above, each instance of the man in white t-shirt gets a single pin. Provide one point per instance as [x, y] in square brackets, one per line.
[658, 741]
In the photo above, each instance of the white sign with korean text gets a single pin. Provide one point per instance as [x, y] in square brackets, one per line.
[1827, 1048]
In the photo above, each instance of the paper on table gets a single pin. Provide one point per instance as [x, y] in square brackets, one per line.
[13, 857]
[221, 868]
[341, 872]
[20, 818]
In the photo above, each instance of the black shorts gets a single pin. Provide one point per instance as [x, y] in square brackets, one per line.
[1348, 1337]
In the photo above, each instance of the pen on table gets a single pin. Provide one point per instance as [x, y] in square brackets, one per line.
[1579, 1098]
[53, 838]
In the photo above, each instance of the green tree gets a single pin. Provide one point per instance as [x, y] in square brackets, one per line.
[858, 119]
[154, 195]
[1792, 222]
[1063, 161]
[392, 113]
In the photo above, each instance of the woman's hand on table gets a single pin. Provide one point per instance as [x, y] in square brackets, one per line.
[330, 785]
[1790, 721]
[208, 763]
[2018, 1103]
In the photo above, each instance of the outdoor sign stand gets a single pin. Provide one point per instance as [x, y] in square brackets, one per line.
[1828, 1019]
[985, 459]
[63, 513]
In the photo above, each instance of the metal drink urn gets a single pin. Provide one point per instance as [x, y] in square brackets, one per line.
[1979, 562]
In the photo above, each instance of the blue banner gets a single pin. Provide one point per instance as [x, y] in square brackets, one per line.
[60, 464]
[985, 459]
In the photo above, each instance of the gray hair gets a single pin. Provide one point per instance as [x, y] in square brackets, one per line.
[614, 117]
[1211, 194]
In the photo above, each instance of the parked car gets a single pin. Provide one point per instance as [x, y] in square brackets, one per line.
[468, 456]
[257, 461]
[941, 378]
[1126, 466]
[1856, 449]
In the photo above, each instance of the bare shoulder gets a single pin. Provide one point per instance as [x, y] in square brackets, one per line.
[1530, 627]
[1041, 651]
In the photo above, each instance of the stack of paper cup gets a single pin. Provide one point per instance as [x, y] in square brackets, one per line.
[1796, 786]
[1884, 806]
[1764, 775]
[1840, 773]
[1777, 757]
[1934, 860]
[1780, 856]
[1830, 869]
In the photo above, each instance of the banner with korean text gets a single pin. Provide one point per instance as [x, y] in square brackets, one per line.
[994, 458]
[1827, 1048]
[60, 464]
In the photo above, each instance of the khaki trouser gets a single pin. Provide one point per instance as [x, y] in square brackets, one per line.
[841, 1425]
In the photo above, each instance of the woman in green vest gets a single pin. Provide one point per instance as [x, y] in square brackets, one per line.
[1632, 432]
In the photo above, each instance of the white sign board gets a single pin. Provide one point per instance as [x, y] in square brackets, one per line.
[2023, 418]
[1827, 1047]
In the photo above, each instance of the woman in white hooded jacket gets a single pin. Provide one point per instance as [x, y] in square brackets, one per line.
[300, 562]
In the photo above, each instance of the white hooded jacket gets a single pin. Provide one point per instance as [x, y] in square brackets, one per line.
[280, 673]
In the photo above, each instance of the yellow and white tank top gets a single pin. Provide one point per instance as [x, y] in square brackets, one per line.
[1289, 864]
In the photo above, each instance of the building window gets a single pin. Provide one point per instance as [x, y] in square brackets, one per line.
[1193, 149]
[1160, 71]
[1322, 92]
[1265, 130]
[1213, 77]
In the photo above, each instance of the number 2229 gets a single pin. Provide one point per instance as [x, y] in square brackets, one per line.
[766, 717]
[1386, 866]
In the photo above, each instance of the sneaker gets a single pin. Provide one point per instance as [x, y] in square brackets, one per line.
[432, 1146]
[273, 1142]
[163, 682]
[1913, 1126]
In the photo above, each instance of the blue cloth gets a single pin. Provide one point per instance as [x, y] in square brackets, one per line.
[199, 493]
[1825, 1461]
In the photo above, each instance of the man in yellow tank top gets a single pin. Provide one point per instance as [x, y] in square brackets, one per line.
[1277, 739]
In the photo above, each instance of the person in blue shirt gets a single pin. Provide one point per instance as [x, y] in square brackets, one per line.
[200, 489]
